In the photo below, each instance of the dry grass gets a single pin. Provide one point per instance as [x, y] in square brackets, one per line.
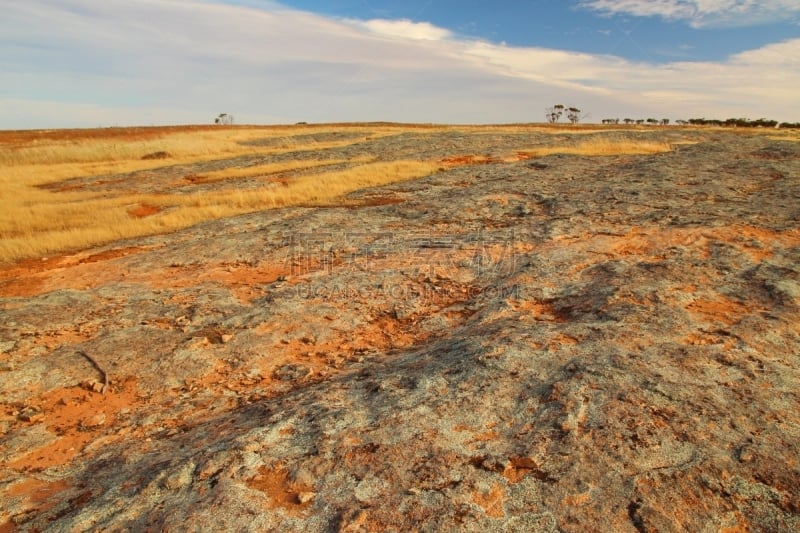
[786, 135]
[178, 146]
[270, 169]
[311, 190]
[38, 161]
[601, 147]
[35, 221]
[45, 222]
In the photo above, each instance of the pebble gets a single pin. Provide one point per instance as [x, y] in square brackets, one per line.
[29, 414]
[305, 497]
[181, 478]
[96, 421]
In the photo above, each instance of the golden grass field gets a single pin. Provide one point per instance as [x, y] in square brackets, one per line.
[37, 219]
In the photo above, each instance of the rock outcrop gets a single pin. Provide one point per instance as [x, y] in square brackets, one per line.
[562, 344]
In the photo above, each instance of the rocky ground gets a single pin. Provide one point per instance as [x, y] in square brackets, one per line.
[566, 344]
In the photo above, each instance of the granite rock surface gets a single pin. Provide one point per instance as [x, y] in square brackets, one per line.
[567, 343]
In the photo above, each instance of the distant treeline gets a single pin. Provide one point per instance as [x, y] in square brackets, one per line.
[744, 123]
[731, 122]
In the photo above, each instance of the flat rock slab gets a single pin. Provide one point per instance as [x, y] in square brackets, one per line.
[557, 344]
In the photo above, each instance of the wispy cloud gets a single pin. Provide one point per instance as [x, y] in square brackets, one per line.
[703, 13]
[402, 29]
[87, 63]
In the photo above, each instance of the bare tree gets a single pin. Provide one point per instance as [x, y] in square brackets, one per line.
[553, 114]
[224, 119]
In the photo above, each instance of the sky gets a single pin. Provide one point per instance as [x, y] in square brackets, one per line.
[86, 63]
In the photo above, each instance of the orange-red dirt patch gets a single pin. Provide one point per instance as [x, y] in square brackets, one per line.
[144, 210]
[76, 416]
[284, 493]
[491, 501]
[719, 309]
[469, 160]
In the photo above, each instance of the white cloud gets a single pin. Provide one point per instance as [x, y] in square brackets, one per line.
[703, 13]
[87, 63]
[757, 82]
[403, 28]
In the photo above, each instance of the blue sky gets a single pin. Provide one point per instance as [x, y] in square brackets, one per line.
[578, 26]
[84, 63]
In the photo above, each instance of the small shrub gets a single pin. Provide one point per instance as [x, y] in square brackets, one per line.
[156, 155]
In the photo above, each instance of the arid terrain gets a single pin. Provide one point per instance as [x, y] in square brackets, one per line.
[382, 327]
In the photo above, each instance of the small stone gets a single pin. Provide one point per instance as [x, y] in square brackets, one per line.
[305, 497]
[746, 455]
[292, 372]
[181, 478]
[7, 346]
[254, 374]
[252, 446]
[226, 338]
[301, 475]
[96, 421]
[402, 313]
[367, 490]
[356, 521]
[31, 415]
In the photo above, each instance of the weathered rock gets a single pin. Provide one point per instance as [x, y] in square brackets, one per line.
[565, 344]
